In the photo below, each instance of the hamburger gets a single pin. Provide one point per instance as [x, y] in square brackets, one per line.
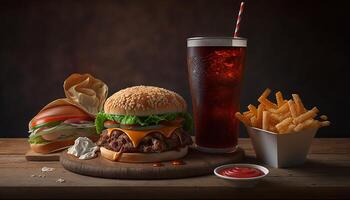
[56, 127]
[144, 124]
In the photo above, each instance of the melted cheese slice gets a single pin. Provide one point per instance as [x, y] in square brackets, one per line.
[136, 136]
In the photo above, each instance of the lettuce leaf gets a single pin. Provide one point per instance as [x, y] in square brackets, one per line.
[46, 124]
[68, 130]
[142, 120]
[188, 125]
[37, 140]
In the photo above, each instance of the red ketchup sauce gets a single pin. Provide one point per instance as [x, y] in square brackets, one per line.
[241, 172]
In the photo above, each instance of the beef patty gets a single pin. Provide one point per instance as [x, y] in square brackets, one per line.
[153, 142]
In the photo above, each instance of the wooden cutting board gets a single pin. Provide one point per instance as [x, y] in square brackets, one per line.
[196, 164]
[33, 156]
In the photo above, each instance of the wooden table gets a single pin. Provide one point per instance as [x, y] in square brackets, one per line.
[326, 175]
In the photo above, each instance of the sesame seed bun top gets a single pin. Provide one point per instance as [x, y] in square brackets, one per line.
[143, 101]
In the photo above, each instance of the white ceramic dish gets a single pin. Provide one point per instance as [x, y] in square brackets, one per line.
[281, 150]
[242, 182]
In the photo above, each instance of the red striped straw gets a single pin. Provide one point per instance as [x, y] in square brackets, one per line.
[238, 20]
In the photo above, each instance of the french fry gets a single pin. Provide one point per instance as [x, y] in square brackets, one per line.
[265, 94]
[285, 116]
[265, 120]
[267, 103]
[299, 104]
[279, 98]
[282, 131]
[314, 124]
[253, 121]
[325, 123]
[274, 118]
[303, 125]
[284, 124]
[309, 114]
[288, 129]
[248, 115]
[242, 118]
[271, 110]
[259, 115]
[246, 112]
[298, 127]
[292, 108]
[273, 129]
[291, 128]
[311, 123]
[323, 117]
[283, 108]
[252, 109]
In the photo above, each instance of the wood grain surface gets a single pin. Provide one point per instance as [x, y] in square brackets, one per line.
[196, 164]
[33, 156]
[325, 175]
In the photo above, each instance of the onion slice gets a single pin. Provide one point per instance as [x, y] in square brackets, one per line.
[141, 128]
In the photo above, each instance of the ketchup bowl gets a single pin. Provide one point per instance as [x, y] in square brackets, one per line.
[241, 175]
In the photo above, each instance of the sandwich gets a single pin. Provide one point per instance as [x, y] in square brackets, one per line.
[57, 126]
[144, 124]
[60, 122]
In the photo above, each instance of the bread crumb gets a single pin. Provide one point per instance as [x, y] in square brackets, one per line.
[47, 169]
[61, 180]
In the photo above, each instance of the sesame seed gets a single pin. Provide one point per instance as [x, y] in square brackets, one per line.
[145, 98]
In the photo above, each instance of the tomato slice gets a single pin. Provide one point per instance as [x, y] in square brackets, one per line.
[109, 122]
[46, 124]
[58, 118]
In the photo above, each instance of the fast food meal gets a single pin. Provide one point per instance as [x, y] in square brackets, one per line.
[60, 122]
[144, 124]
[284, 116]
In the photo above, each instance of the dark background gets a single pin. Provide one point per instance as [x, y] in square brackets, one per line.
[293, 46]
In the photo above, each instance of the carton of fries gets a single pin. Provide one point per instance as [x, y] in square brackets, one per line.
[281, 132]
[281, 150]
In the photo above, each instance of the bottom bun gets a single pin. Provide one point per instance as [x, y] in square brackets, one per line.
[143, 157]
[56, 146]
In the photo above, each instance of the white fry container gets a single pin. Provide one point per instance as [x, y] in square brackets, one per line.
[281, 150]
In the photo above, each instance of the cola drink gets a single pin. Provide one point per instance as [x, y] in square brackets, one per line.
[215, 69]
